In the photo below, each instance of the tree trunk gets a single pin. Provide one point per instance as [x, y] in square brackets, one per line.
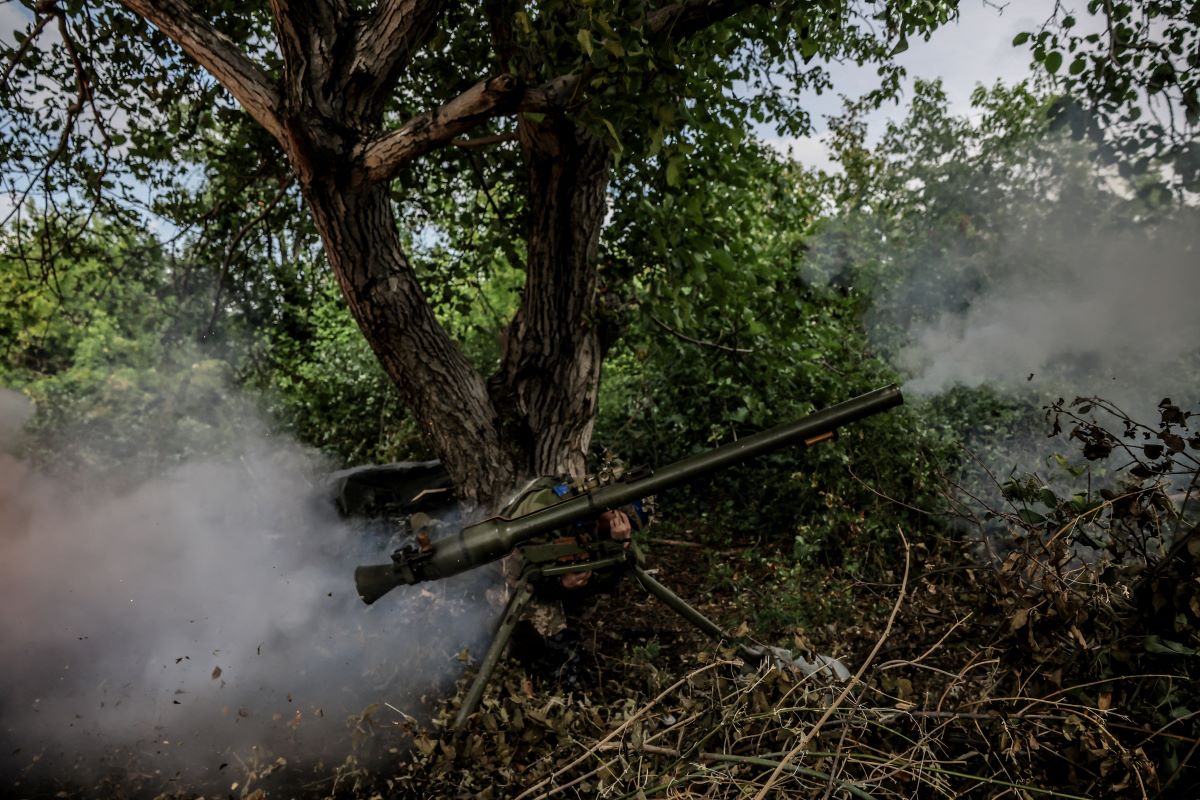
[444, 393]
[534, 417]
[547, 387]
[340, 64]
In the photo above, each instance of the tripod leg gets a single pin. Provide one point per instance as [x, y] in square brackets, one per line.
[680, 607]
[512, 614]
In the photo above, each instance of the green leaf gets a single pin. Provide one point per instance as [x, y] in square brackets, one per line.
[724, 260]
[1053, 62]
[585, 40]
[1021, 38]
[1030, 517]
[615, 47]
[616, 140]
[1157, 644]
[674, 171]
[900, 47]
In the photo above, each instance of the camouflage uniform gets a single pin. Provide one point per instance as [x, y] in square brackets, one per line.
[545, 611]
[545, 614]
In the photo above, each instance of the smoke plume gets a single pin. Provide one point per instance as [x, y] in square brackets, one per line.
[202, 617]
[1071, 310]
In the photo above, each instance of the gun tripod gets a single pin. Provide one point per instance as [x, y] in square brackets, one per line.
[543, 562]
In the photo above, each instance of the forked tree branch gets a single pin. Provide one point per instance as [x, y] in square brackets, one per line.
[308, 32]
[218, 54]
[384, 156]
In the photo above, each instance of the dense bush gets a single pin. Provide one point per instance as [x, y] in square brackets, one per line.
[91, 336]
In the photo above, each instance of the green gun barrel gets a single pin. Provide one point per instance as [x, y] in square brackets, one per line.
[492, 539]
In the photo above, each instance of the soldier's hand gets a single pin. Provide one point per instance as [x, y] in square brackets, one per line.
[617, 524]
[575, 580]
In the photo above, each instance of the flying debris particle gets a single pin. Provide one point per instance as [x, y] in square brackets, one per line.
[223, 766]
[1030, 377]
[216, 673]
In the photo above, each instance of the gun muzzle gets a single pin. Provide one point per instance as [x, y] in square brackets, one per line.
[373, 582]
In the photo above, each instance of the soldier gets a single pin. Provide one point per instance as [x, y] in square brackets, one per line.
[542, 641]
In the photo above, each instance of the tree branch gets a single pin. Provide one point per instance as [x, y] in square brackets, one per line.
[308, 32]
[679, 20]
[387, 40]
[43, 14]
[698, 342]
[382, 157]
[485, 141]
[231, 251]
[218, 54]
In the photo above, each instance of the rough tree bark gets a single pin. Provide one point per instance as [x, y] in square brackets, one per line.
[546, 388]
[535, 415]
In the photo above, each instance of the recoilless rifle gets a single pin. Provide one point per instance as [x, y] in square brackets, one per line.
[546, 557]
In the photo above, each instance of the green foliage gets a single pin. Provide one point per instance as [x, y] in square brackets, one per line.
[1132, 86]
[943, 211]
[926, 219]
[128, 360]
[728, 338]
[91, 342]
[329, 391]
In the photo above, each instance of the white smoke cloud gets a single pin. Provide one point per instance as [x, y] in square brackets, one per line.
[1085, 312]
[203, 612]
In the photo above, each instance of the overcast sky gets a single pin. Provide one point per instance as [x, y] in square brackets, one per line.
[975, 49]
